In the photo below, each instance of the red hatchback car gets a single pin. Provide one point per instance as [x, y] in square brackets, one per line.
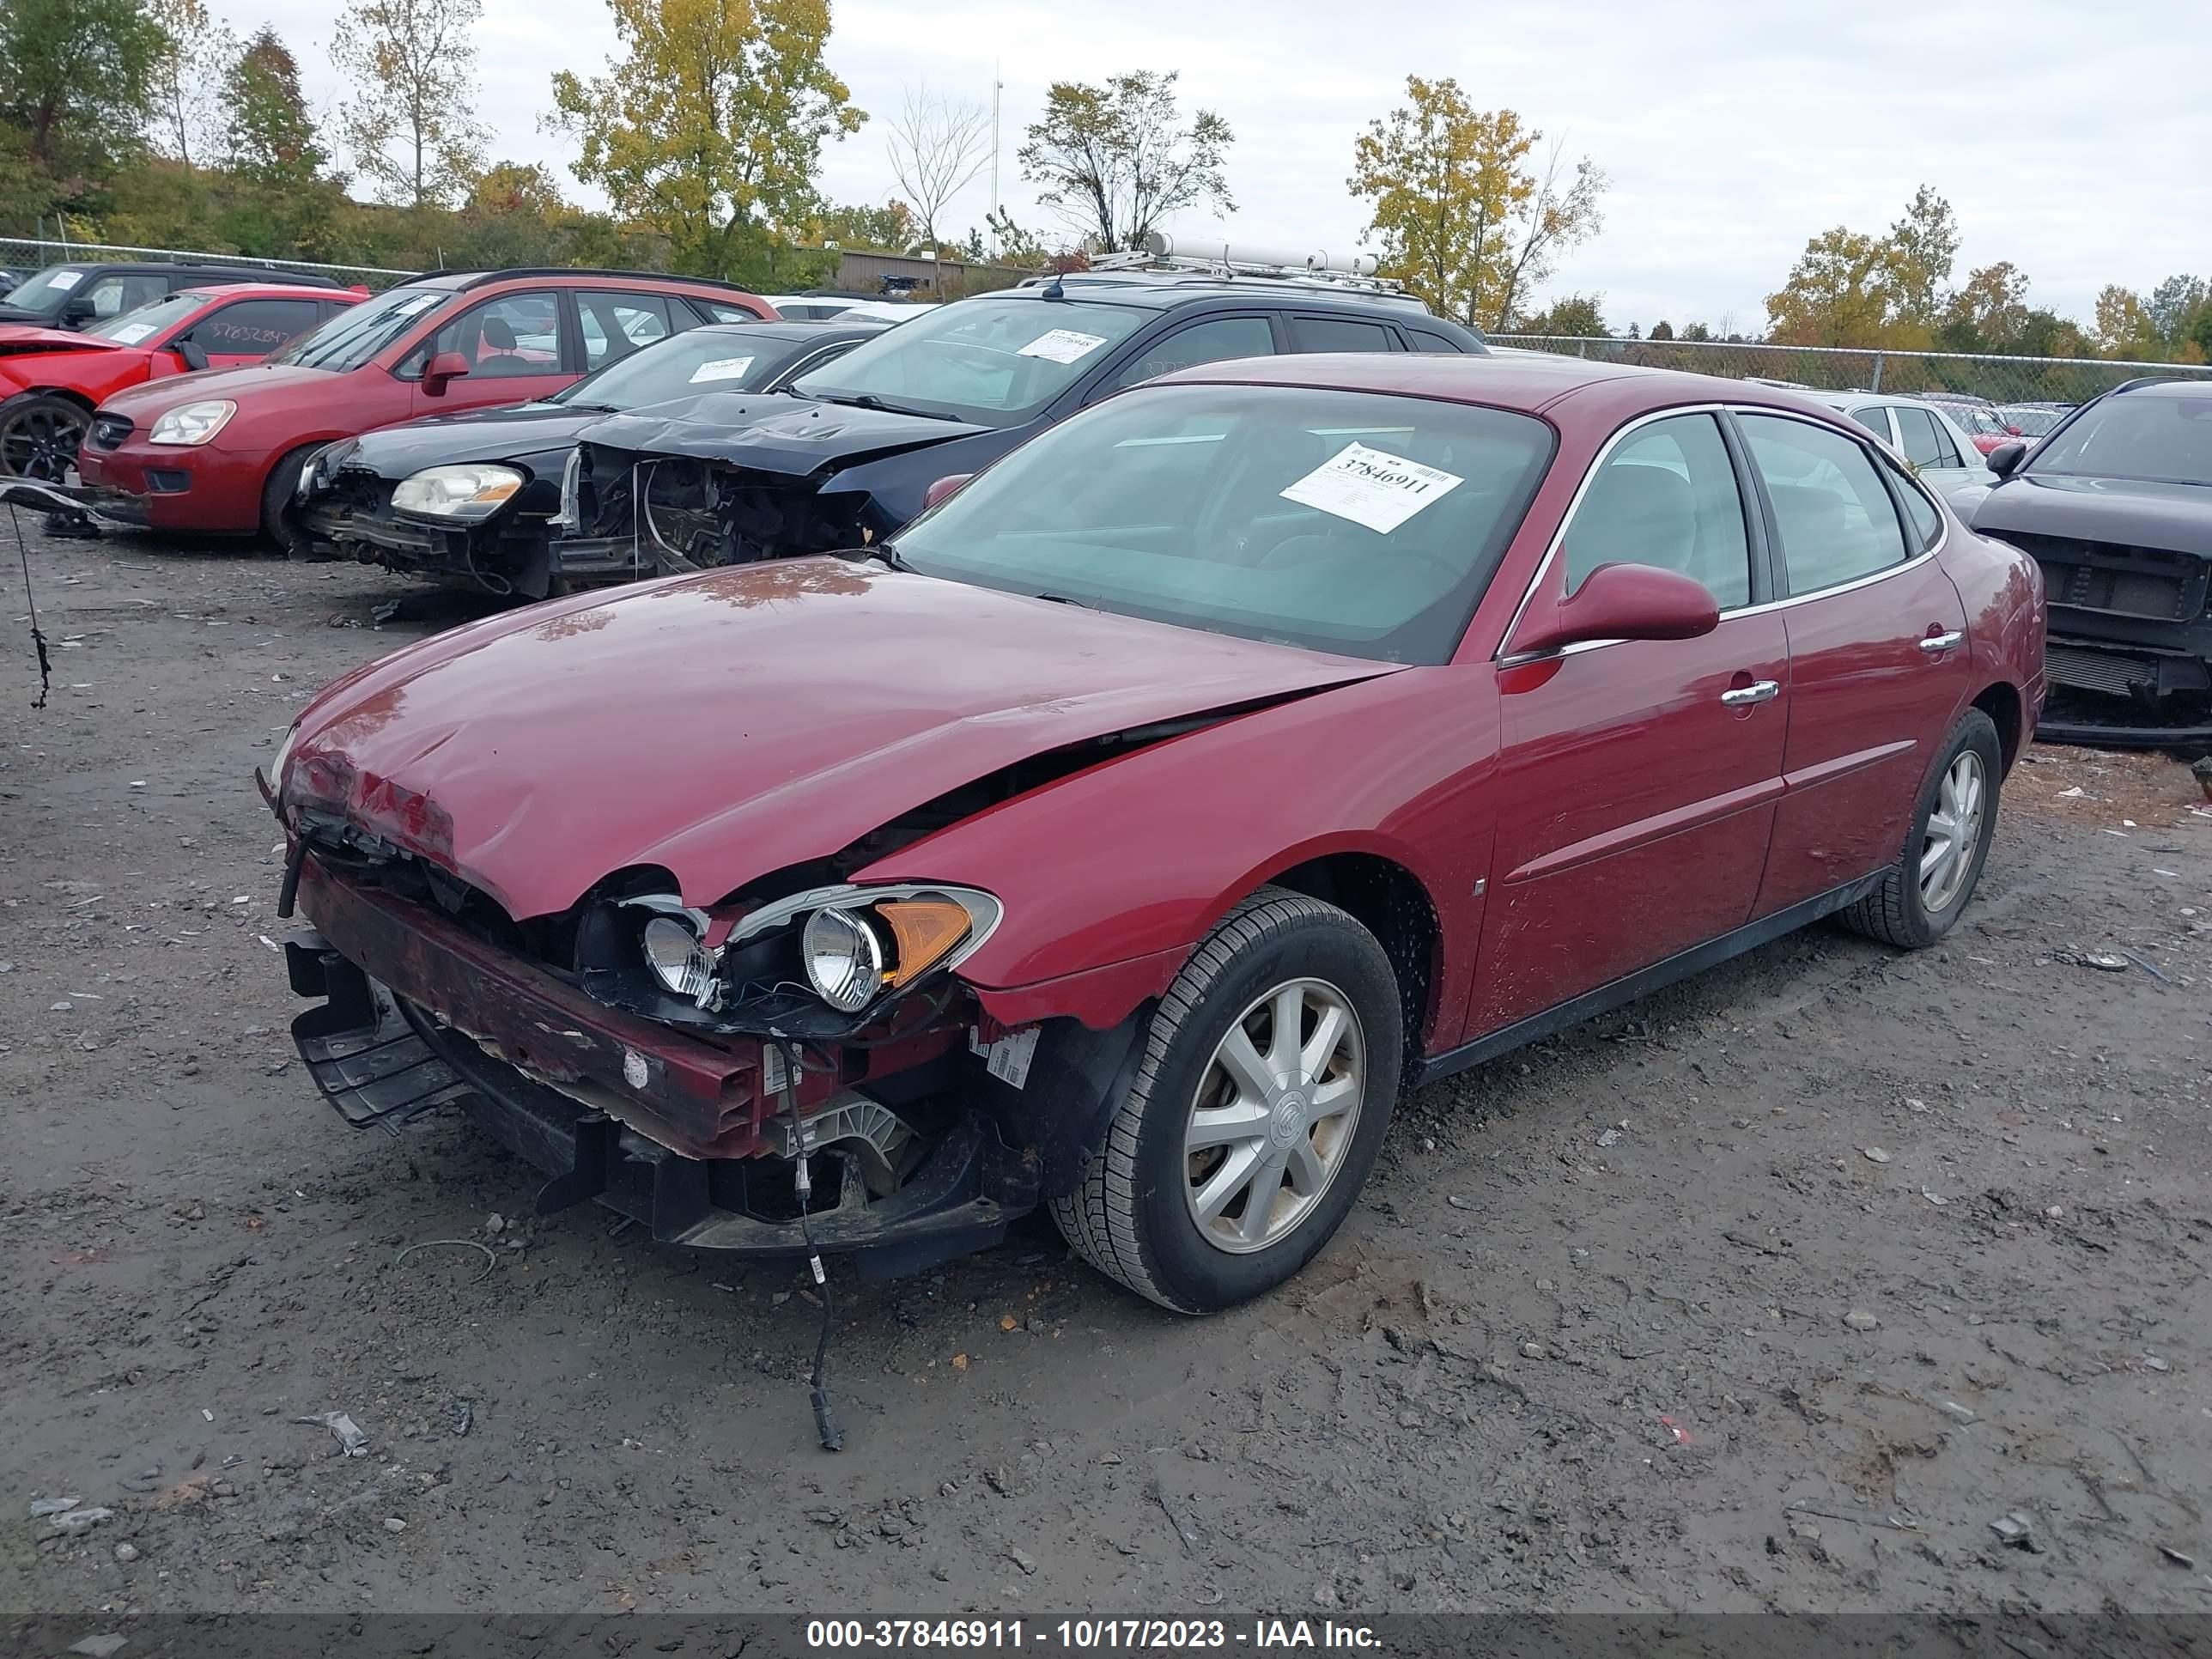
[1126, 833]
[51, 379]
[223, 452]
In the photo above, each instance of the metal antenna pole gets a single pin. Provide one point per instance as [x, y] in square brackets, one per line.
[998, 86]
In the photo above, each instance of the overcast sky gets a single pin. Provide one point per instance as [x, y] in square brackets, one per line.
[2069, 136]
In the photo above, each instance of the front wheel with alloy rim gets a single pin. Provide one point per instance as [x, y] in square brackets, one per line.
[40, 436]
[1266, 1085]
[1923, 895]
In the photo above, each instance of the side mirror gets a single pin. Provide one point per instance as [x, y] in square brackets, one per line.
[1624, 601]
[2016, 431]
[190, 354]
[2004, 461]
[79, 310]
[947, 485]
[441, 371]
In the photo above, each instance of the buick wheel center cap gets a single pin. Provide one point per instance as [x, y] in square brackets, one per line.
[1289, 1121]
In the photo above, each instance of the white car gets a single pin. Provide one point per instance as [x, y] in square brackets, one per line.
[820, 307]
[1932, 443]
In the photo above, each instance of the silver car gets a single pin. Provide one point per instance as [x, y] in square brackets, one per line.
[1932, 443]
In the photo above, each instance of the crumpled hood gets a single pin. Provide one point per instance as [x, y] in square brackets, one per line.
[2176, 517]
[17, 339]
[727, 725]
[394, 452]
[773, 433]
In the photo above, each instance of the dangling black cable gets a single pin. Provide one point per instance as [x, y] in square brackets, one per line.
[38, 639]
[825, 1415]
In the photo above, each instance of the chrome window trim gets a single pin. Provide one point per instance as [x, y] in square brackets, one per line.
[1574, 506]
[1502, 660]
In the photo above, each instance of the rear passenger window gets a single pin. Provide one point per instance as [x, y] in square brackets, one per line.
[1832, 511]
[1427, 339]
[1338, 334]
[1875, 421]
[615, 324]
[1666, 495]
[1214, 341]
[1919, 439]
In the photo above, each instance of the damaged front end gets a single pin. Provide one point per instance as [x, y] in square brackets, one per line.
[665, 515]
[806, 1045]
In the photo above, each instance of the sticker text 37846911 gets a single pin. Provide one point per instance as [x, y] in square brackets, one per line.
[1371, 487]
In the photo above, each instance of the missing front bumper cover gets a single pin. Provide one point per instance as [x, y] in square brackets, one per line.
[378, 1060]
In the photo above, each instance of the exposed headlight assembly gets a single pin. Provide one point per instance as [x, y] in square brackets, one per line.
[192, 423]
[852, 944]
[466, 492]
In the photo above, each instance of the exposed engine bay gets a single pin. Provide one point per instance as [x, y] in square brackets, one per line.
[685, 514]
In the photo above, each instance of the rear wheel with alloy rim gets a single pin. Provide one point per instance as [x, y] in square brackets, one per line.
[1268, 1075]
[1923, 895]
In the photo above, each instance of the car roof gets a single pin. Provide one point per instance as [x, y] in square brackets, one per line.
[202, 267]
[2149, 388]
[269, 291]
[579, 275]
[1531, 385]
[1135, 289]
[827, 328]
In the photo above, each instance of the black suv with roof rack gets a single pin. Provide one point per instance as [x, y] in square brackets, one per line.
[71, 295]
[851, 452]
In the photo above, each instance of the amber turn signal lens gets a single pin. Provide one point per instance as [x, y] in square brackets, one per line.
[922, 930]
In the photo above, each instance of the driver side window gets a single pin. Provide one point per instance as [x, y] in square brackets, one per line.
[514, 336]
[1666, 495]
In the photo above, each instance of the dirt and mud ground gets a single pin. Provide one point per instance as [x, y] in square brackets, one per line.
[1772, 1293]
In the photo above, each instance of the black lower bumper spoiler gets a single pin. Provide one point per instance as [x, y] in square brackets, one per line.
[2097, 736]
[80, 504]
[380, 1061]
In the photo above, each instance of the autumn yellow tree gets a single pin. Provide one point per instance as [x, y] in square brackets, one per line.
[1469, 211]
[1840, 293]
[412, 63]
[708, 128]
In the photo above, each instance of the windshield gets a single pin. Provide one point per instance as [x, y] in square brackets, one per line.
[1353, 522]
[147, 321]
[700, 359]
[359, 332]
[2143, 436]
[45, 291]
[993, 361]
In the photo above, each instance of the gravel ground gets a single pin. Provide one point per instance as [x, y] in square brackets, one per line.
[1773, 1292]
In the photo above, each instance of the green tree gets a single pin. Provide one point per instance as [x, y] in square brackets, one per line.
[76, 79]
[1466, 216]
[708, 128]
[271, 138]
[412, 63]
[1577, 316]
[1839, 293]
[1922, 248]
[1989, 312]
[1696, 332]
[2177, 308]
[1662, 330]
[890, 228]
[2123, 324]
[1114, 160]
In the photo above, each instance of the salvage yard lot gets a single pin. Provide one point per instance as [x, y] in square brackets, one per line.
[1584, 1344]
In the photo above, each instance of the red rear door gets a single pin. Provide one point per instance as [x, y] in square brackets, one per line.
[1637, 779]
[1878, 659]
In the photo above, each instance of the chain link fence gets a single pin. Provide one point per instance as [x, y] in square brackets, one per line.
[26, 253]
[2000, 379]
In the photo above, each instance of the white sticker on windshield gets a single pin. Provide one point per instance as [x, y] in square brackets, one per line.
[722, 368]
[63, 281]
[1062, 345]
[1371, 487]
[417, 304]
[132, 333]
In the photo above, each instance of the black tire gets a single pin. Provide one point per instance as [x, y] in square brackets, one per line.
[40, 434]
[1128, 1216]
[277, 522]
[1897, 911]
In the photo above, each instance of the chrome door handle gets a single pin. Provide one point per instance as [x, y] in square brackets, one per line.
[1742, 697]
[1935, 643]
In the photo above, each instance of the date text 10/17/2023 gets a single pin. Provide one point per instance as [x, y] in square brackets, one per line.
[1089, 1635]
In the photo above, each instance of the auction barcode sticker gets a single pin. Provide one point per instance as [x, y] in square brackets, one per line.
[721, 368]
[1062, 345]
[1371, 487]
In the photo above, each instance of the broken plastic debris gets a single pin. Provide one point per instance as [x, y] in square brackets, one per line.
[52, 1506]
[347, 1431]
[1681, 1435]
[81, 1520]
[1610, 1137]
[101, 1646]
